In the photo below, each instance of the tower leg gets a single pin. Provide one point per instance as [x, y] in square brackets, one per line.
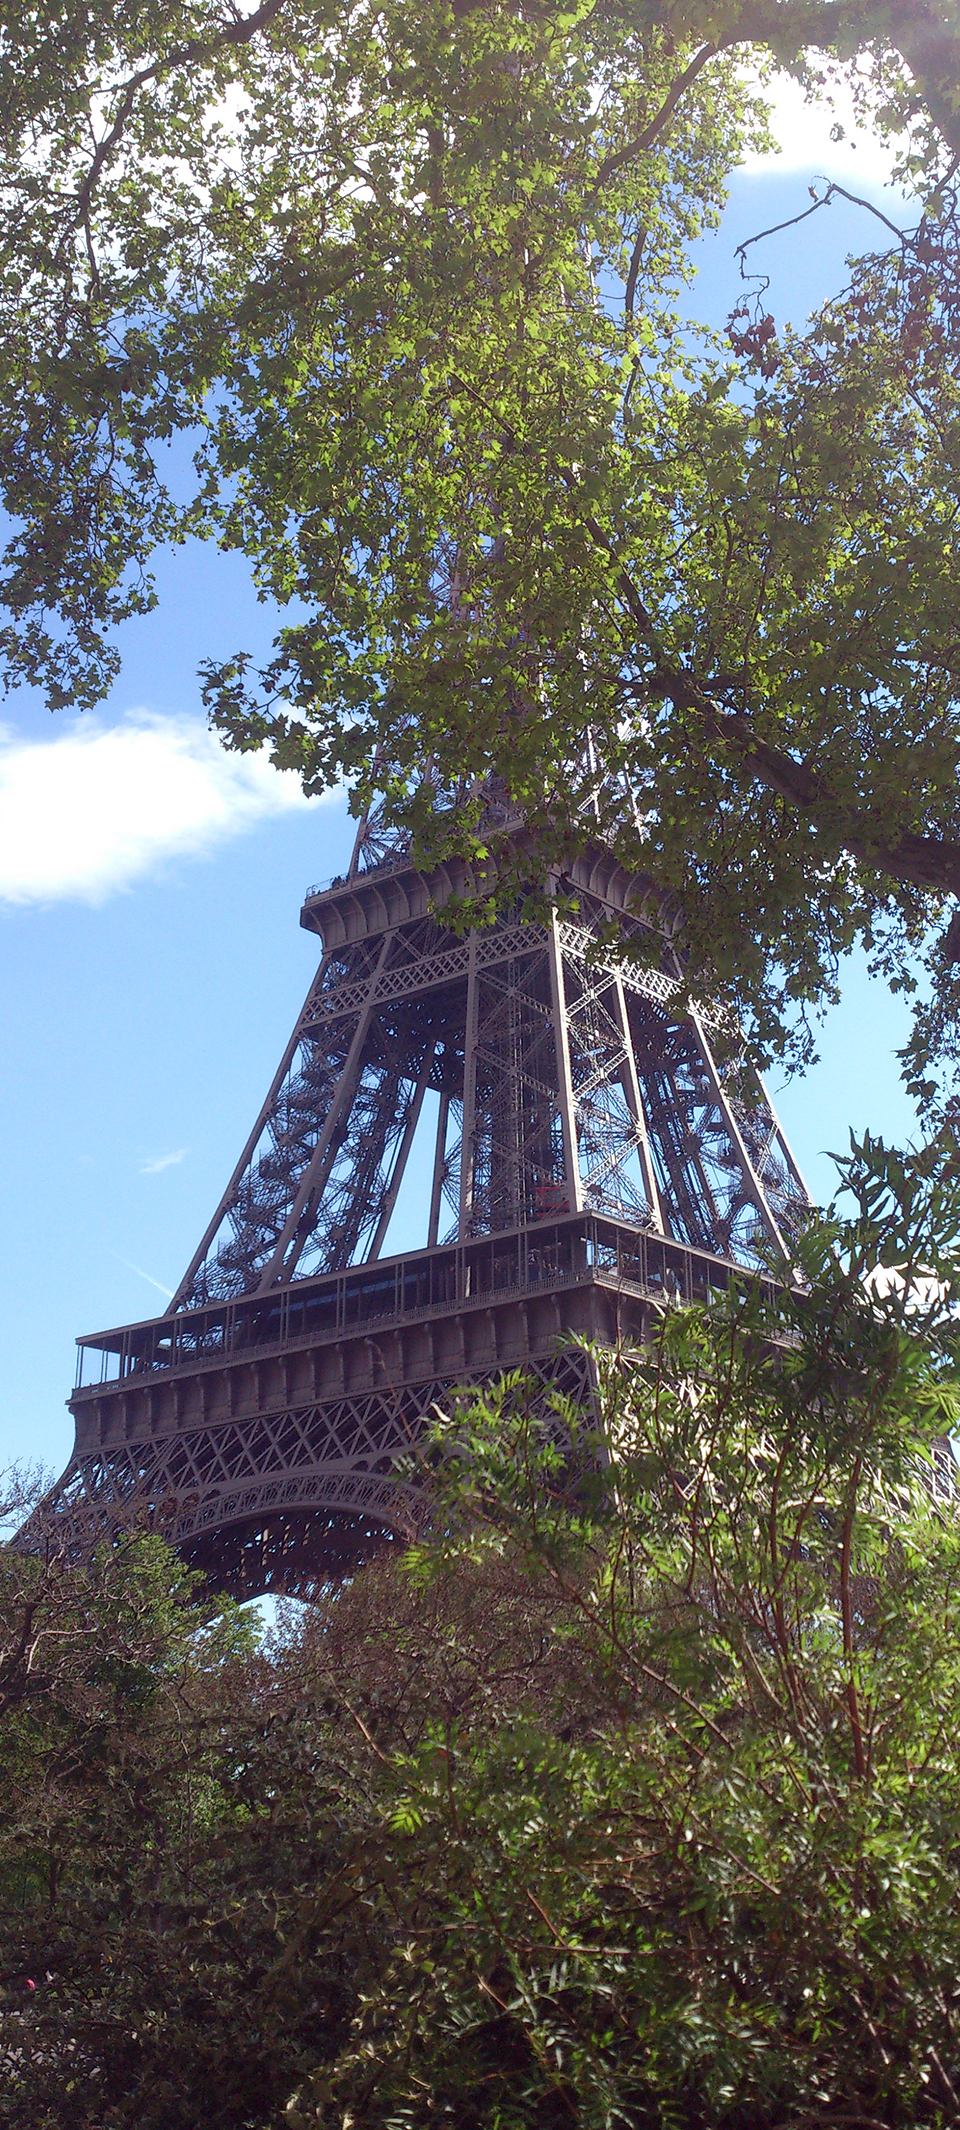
[568, 1115]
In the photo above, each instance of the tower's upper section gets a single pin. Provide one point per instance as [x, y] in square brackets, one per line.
[444, 1084]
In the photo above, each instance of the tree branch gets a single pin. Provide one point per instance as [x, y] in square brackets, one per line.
[651, 132]
[928, 862]
[238, 32]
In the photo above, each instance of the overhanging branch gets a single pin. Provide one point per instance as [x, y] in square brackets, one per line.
[237, 32]
[931, 863]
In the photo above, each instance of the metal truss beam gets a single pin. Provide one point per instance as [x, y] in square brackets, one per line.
[596, 1146]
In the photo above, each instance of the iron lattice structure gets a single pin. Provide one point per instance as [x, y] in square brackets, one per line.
[580, 1149]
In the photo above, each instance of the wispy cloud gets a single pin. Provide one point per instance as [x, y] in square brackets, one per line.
[94, 808]
[141, 1274]
[157, 1162]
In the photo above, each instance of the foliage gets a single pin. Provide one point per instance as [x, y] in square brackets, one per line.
[682, 1847]
[629, 1797]
[140, 1906]
[408, 280]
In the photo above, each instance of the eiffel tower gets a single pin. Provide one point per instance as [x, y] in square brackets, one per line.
[586, 1152]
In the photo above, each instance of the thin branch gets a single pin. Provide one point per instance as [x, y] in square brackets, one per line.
[824, 201]
[631, 288]
[846, 1612]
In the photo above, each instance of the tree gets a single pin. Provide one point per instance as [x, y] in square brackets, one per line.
[630, 1796]
[673, 1733]
[408, 280]
[147, 1915]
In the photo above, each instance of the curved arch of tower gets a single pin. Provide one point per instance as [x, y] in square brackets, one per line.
[578, 1148]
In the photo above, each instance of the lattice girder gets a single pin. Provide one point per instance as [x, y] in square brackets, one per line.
[582, 1149]
[560, 1067]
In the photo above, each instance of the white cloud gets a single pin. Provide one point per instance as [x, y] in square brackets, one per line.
[95, 807]
[801, 128]
[158, 1162]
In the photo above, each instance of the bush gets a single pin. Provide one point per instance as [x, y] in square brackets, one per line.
[630, 1797]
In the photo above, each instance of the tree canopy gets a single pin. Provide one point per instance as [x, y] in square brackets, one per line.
[406, 283]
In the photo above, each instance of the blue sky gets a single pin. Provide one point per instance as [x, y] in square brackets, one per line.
[151, 961]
